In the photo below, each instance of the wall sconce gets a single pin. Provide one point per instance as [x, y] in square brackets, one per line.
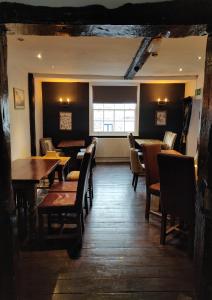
[65, 101]
[162, 101]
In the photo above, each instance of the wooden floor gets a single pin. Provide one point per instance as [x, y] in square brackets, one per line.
[121, 257]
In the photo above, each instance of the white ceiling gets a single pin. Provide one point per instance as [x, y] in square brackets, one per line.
[56, 3]
[104, 56]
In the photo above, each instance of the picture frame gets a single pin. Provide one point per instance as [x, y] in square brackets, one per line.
[160, 118]
[19, 98]
[65, 120]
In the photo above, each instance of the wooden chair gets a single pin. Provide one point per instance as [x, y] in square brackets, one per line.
[67, 205]
[46, 144]
[74, 175]
[136, 167]
[177, 191]
[169, 140]
[152, 175]
[71, 185]
[131, 140]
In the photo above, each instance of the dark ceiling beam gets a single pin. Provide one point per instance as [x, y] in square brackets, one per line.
[168, 12]
[127, 31]
[139, 59]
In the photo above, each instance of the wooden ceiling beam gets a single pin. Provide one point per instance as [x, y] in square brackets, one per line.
[175, 12]
[139, 59]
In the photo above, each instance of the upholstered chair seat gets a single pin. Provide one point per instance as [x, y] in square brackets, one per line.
[73, 176]
[64, 186]
[80, 155]
[155, 189]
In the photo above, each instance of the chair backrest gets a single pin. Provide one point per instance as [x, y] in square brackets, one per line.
[169, 139]
[177, 185]
[52, 154]
[150, 153]
[82, 186]
[131, 140]
[135, 164]
[46, 145]
[94, 142]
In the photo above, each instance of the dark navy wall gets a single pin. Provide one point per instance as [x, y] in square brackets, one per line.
[149, 93]
[79, 96]
[79, 106]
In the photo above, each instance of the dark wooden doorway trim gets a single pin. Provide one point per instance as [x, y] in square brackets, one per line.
[31, 87]
[147, 20]
[7, 216]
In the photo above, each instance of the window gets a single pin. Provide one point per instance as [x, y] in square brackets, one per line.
[110, 116]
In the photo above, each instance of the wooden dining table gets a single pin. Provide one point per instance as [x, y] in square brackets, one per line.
[26, 174]
[62, 165]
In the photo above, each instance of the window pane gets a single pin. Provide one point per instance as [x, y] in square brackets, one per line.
[108, 115]
[98, 105]
[114, 117]
[98, 126]
[108, 106]
[119, 106]
[119, 115]
[98, 115]
[129, 115]
[119, 126]
[108, 126]
[129, 126]
[130, 105]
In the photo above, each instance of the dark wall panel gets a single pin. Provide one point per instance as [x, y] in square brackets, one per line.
[149, 94]
[78, 93]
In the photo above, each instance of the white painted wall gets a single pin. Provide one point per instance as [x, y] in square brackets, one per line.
[19, 118]
[112, 149]
[195, 122]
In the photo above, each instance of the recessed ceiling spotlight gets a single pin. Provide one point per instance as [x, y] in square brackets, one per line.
[199, 57]
[180, 69]
[39, 56]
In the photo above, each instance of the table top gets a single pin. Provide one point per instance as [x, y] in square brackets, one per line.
[149, 142]
[171, 151]
[71, 143]
[62, 159]
[32, 170]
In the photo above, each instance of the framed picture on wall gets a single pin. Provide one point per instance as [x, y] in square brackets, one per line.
[65, 120]
[160, 117]
[19, 100]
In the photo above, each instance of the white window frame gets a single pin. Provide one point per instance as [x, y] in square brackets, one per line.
[91, 116]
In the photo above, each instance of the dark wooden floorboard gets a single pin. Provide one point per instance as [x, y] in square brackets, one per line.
[121, 257]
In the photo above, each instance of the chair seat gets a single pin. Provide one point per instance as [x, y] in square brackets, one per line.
[80, 155]
[64, 187]
[56, 200]
[73, 176]
[155, 188]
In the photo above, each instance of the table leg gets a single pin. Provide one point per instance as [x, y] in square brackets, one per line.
[30, 197]
[51, 177]
[60, 170]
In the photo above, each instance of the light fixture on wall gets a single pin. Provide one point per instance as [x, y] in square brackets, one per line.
[162, 101]
[64, 101]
